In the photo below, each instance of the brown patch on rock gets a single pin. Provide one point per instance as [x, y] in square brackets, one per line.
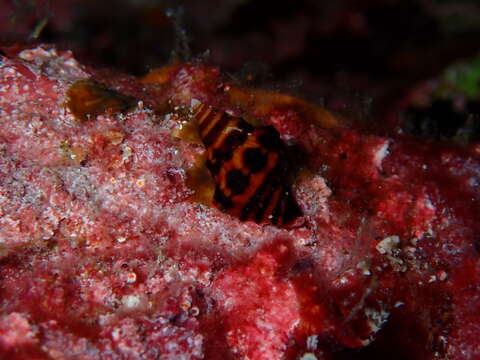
[88, 98]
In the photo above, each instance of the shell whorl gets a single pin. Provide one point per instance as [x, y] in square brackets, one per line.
[248, 165]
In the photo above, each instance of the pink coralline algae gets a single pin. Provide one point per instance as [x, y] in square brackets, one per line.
[106, 254]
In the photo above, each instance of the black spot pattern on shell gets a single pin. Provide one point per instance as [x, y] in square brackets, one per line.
[255, 159]
[249, 167]
[237, 182]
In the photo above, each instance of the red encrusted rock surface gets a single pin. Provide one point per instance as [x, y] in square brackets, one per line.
[104, 255]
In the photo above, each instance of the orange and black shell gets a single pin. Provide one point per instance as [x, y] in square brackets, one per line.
[249, 167]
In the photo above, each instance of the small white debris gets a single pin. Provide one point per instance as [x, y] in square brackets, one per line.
[308, 356]
[312, 342]
[131, 277]
[397, 264]
[376, 319]
[116, 334]
[399, 304]
[194, 102]
[364, 267]
[186, 305]
[131, 301]
[443, 340]
[429, 205]
[387, 245]
[195, 311]
[121, 239]
[410, 249]
[432, 279]
[380, 154]
[442, 275]
[127, 152]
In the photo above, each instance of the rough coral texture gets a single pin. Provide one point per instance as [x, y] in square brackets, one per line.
[104, 255]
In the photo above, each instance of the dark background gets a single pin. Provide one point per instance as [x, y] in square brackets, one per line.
[361, 45]
[358, 57]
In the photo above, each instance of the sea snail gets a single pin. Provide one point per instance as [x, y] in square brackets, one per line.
[249, 167]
